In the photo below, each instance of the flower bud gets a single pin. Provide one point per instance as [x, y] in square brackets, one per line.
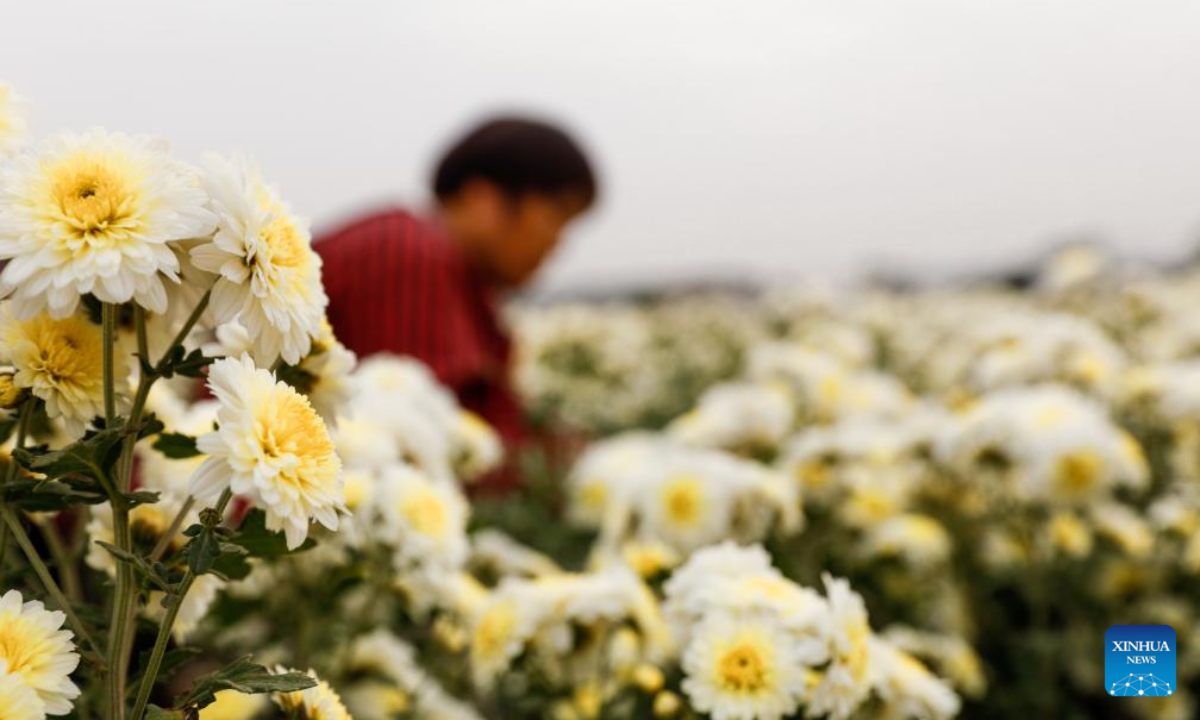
[10, 394]
[666, 704]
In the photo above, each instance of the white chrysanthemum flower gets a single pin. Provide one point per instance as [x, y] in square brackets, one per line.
[737, 416]
[478, 449]
[319, 702]
[742, 668]
[500, 629]
[37, 650]
[326, 373]
[845, 684]
[915, 538]
[500, 554]
[269, 276]
[95, 213]
[60, 361]
[907, 687]
[13, 128]
[271, 446]
[425, 519]
[18, 701]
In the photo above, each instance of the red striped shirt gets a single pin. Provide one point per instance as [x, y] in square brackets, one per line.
[397, 284]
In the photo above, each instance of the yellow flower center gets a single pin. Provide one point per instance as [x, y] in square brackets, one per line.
[290, 426]
[20, 645]
[593, 495]
[95, 199]
[1075, 473]
[855, 658]
[495, 629]
[683, 499]
[67, 352]
[426, 512]
[742, 668]
[289, 249]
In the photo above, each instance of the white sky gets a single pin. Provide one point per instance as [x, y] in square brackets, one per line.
[767, 138]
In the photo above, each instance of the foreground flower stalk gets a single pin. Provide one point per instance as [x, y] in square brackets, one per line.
[211, 517]
[12, 524]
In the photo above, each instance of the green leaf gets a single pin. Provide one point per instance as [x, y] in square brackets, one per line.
[203, 550]
[154, 574]
[245, 677]
[50, 495]
[190, 365]
[90, 457]
[150, 425]
[176, 446]
[154, 712]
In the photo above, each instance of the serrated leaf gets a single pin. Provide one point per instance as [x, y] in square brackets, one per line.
[150, 425]
[246, 677]
[141, 497]
[190, 365]
[93, 454]
[176, 446]
[154, 574]
[50, 495]
[202, 551]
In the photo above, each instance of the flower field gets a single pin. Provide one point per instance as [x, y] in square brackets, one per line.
[869, 504]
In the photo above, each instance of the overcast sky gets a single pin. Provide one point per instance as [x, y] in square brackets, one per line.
[766, 138]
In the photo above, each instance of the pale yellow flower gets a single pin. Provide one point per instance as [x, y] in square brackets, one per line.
[233, 705]
[38, 651]
[59, 361]
[742, 669]
[269, 278]
[18, 701]
[271, 446]
[95, 213]
[319, 702]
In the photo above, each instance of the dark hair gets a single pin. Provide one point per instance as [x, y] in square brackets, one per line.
[520, 156]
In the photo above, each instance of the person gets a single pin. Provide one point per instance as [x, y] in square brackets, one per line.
[427, 285]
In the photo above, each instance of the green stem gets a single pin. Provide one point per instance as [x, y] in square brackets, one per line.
[184, 331]
[123, 598]
[165, 541]
[164, 627]
[124, 594]
[108, 321]
[23, 415]
[120, 646]
[67, 574]
[14, 525]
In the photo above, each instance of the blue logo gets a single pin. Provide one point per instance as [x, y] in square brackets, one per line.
[1139, 660]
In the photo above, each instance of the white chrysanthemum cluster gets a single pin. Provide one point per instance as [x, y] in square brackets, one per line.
[656, 488]
[758, 646]
[1045, 443]
[398, 411]
[392, 682]
[737, 416]
[565, 627]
